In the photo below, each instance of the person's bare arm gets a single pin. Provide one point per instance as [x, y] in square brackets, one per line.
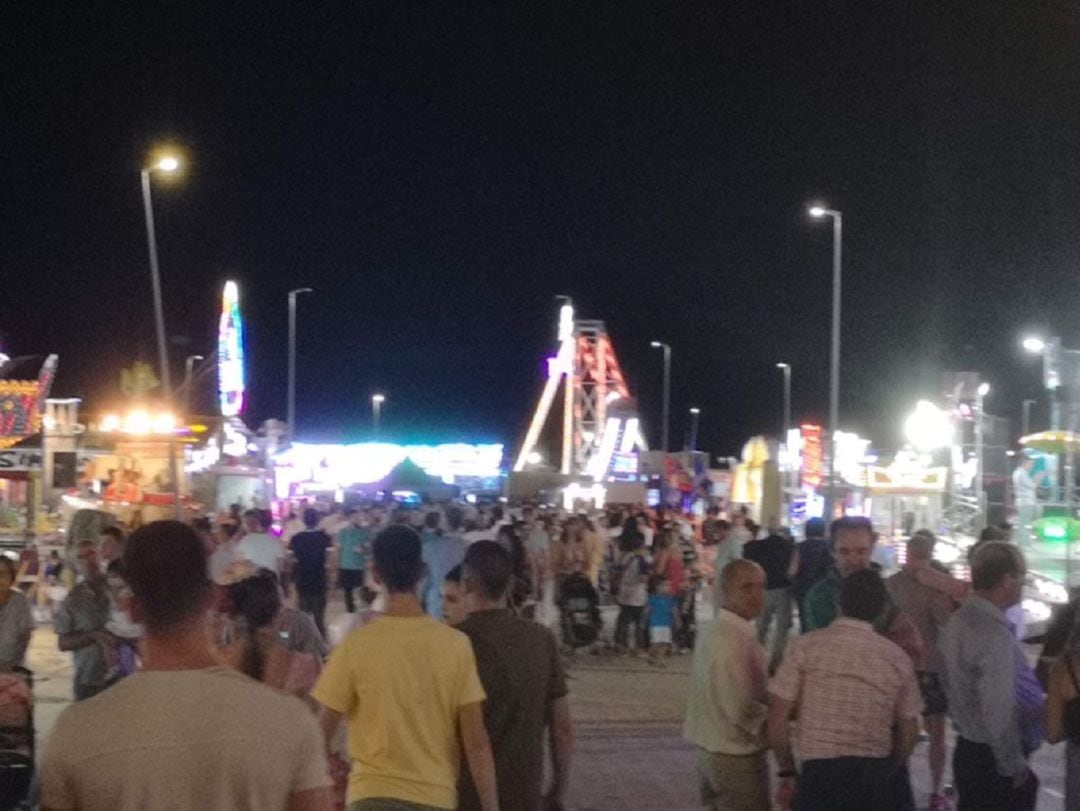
[330, 720]
[562, 749]
[314, 799]
[474, 740]
[780, 712]
[904, 737]
[793, 567]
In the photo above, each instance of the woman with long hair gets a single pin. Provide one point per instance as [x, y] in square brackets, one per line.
[1063, 714]
[256, 648]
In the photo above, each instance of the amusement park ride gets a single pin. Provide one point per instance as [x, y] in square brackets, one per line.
[600, 421]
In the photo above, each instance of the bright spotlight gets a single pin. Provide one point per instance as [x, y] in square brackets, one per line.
[168, 164]
[1035, 345]
[817, 211]
[984, 389]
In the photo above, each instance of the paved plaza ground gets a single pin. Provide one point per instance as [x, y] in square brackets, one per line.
[629, 753]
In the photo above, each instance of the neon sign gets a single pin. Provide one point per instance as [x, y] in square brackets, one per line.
[231, 353]
[813, 457]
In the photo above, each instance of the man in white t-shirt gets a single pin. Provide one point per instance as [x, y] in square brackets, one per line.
[184, 732]
[1026, 497]
[262, 549]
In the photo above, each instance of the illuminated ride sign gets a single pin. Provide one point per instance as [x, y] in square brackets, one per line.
[343, 466]
[21, 402]
[231, 353]
[813, 456]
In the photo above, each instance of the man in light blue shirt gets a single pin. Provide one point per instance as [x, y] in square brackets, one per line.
[981, 662]
[354, 543]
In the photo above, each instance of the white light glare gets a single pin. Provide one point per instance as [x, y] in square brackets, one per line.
[1035, 345]
[534, 458]
[378, 398]
[984, 389]
[168, 164]
[817, 211]
[929, 427]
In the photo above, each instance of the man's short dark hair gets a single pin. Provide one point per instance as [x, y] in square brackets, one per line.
[114, 532]
[852, 523]
[862, 595]
[991, 562]
[397, 557]
[311, 518]
[454, 518]
[815, 528]
[488, 569]
[165, 565]
[921, 544]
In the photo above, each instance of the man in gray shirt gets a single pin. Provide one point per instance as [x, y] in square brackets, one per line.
[982, 666]
[80, 624]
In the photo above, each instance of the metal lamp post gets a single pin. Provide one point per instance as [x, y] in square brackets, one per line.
[166, 165]
[695, 413]
[1026, 421]
[290, 406]
[189, 363]
[980, 484]
[818, 212]
[787, 397]
[667, 392]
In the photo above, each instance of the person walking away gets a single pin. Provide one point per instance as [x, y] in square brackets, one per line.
[184, 732]
[728, 703]
[521, 672]
[632, 593]
[310, 548]
[80, 624]
[686, 627]
[16, 619]
[353, 544]
[258, 546]
[981, 669]
[728, 548]
[441, 553]
[810, 563]
[773, 554]
[662, 611]
[430, 700]
[1063, 714]
[1026, 497]
[929, 609]
[857, 703]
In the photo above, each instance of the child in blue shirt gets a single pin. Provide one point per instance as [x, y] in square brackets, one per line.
[662, 606]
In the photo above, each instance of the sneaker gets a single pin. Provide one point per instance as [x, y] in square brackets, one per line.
[940, 802]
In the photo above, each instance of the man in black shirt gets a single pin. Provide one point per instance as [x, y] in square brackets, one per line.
[773, 554]
[309, 548]
[519, 666]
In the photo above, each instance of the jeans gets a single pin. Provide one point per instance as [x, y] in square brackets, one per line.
[631, 615]
[845, 784]
[314, 603]
[981, 788]
[778, 606]
[350, 580]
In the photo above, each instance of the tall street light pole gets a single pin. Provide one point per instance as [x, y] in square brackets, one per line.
[694, 414]
[1026, 421]
[189, 363]
[290, 406]
[376, 411]
[786, 367]
[667, 392]
[166, 165]
[818, 212]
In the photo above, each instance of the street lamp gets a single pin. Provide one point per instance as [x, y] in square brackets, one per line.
[166, 164]
[1025, 422]
[694, 414]
[1050, 349]
[819, 212]
[376, 410]
[667, 391]
[786, 367]
[290, 405]
[189, 363]
[980, 485]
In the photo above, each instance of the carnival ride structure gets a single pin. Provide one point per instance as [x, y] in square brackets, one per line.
[600, 423]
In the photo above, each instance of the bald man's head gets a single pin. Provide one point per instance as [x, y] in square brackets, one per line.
[743, 585]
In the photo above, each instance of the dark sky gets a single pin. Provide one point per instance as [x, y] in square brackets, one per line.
[440, 171]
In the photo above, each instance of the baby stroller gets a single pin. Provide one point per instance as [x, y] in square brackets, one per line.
[579, 610]
[16, 738]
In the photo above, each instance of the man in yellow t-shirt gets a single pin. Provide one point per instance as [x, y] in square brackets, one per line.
[409, 687]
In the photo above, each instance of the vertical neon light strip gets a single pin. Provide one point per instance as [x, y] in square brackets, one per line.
[231, 353]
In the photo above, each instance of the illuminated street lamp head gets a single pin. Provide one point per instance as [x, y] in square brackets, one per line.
[695, 410]
[168, 164]
[984, 389]
[817, 212]
[782, 366]
[1035, 345]
[378, 398]
[655, 344]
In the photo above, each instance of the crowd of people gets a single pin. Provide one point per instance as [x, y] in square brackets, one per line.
[442, 684]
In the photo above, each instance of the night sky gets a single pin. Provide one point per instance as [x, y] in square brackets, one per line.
[439, 172]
